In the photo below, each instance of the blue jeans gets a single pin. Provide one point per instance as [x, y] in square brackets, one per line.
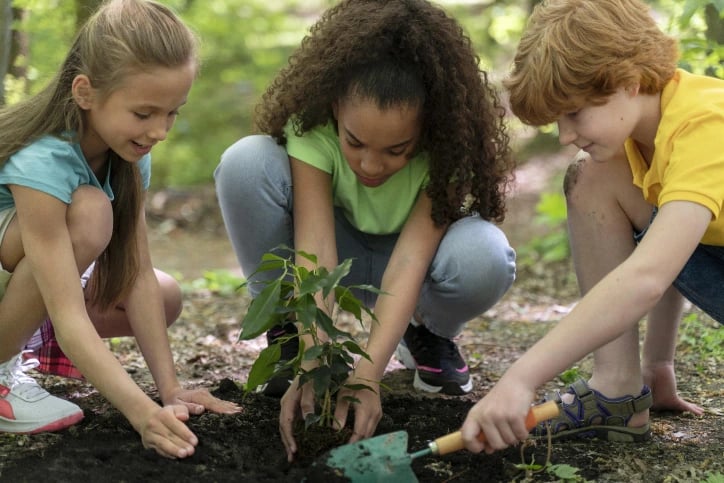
[473, 268]
[702, 278]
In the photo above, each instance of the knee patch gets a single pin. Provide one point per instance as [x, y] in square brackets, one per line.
[572, 174]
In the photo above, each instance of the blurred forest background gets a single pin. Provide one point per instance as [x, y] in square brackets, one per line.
[245, 43]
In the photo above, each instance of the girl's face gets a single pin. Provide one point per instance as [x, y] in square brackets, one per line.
[601, 130]
[376, 143]
[134, 117]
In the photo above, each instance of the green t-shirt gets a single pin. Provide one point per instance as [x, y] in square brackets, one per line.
[381, 210]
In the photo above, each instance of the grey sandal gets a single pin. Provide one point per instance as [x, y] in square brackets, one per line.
[591, 414]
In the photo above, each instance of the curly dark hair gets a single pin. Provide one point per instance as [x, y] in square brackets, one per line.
[428, 61]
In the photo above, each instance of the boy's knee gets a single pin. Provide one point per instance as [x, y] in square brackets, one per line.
[575, 173]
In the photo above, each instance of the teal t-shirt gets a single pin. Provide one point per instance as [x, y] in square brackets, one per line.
[55, 167]
[379, 211]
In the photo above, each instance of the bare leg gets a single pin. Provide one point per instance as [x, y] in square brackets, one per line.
[114, 323]
[22, 311]
[659, 351]
[604, 208]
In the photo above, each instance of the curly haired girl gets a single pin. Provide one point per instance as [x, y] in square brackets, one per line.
[382, 141]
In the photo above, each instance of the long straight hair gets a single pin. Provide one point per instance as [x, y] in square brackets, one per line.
[122, 38]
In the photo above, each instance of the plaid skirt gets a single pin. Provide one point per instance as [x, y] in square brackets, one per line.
[51, 357]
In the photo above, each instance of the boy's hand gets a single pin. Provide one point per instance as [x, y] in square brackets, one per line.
[662, 381]
[165, 432]
[199, 400]
[500, 415]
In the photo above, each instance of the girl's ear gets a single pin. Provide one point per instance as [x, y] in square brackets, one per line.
[82, 91]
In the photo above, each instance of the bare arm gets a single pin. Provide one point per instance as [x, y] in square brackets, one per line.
[146, 315]
[313, 214]
[49, 251]
[614, 305]
[401, 283]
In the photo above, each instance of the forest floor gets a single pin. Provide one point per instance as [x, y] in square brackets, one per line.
[188, 241]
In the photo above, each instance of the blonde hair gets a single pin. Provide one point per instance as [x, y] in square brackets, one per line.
[122, 37]
[576, 52]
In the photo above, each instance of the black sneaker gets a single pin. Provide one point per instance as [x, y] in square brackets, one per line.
[438, 365]
[278, 385]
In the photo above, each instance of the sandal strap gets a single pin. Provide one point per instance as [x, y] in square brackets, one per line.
[623, 406]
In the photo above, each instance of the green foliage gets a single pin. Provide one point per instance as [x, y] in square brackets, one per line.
[699, 26]
[246, 42]
[565, 473]
[219, 282]
[328, 361]
[703, 337]
[714, 478]
[553, 246]
[569, 376]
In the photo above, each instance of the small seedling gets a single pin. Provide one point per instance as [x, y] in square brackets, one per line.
[292, 295]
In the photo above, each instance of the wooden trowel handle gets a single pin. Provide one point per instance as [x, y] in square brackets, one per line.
[454, 441]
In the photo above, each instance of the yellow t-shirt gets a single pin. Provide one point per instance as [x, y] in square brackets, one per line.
[688, 162]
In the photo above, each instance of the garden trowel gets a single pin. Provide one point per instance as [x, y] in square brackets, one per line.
[385, 458]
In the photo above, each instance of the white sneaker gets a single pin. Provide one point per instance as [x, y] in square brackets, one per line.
[25, 407]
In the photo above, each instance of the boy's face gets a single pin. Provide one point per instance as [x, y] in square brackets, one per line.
[601, 130]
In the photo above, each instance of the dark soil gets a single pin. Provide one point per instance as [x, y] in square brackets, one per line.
[247, 447]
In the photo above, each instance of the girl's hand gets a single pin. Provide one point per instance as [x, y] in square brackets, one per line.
[295, 402]
[199, 400]
[662, 381]
[500, 415]
[165, 432]
[367, 411]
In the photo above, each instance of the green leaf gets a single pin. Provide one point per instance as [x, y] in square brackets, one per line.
[309, 256]
[263, 368]
[348, 302]
[565, 472]
[313, 352]
[354, 348]
[335, 276]
[340, 367]
[327, 325]
[262, 310]
[311, 284]
[310, 420]
[322, 377]
[306, 309]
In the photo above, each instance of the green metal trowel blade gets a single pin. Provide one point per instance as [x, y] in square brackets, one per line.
[380, 459]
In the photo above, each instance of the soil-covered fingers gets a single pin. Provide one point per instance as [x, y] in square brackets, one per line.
[367, 414]
[166, 433]
[293, 403]
[199, 400]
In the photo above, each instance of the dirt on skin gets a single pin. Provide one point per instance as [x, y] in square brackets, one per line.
[246, 447]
